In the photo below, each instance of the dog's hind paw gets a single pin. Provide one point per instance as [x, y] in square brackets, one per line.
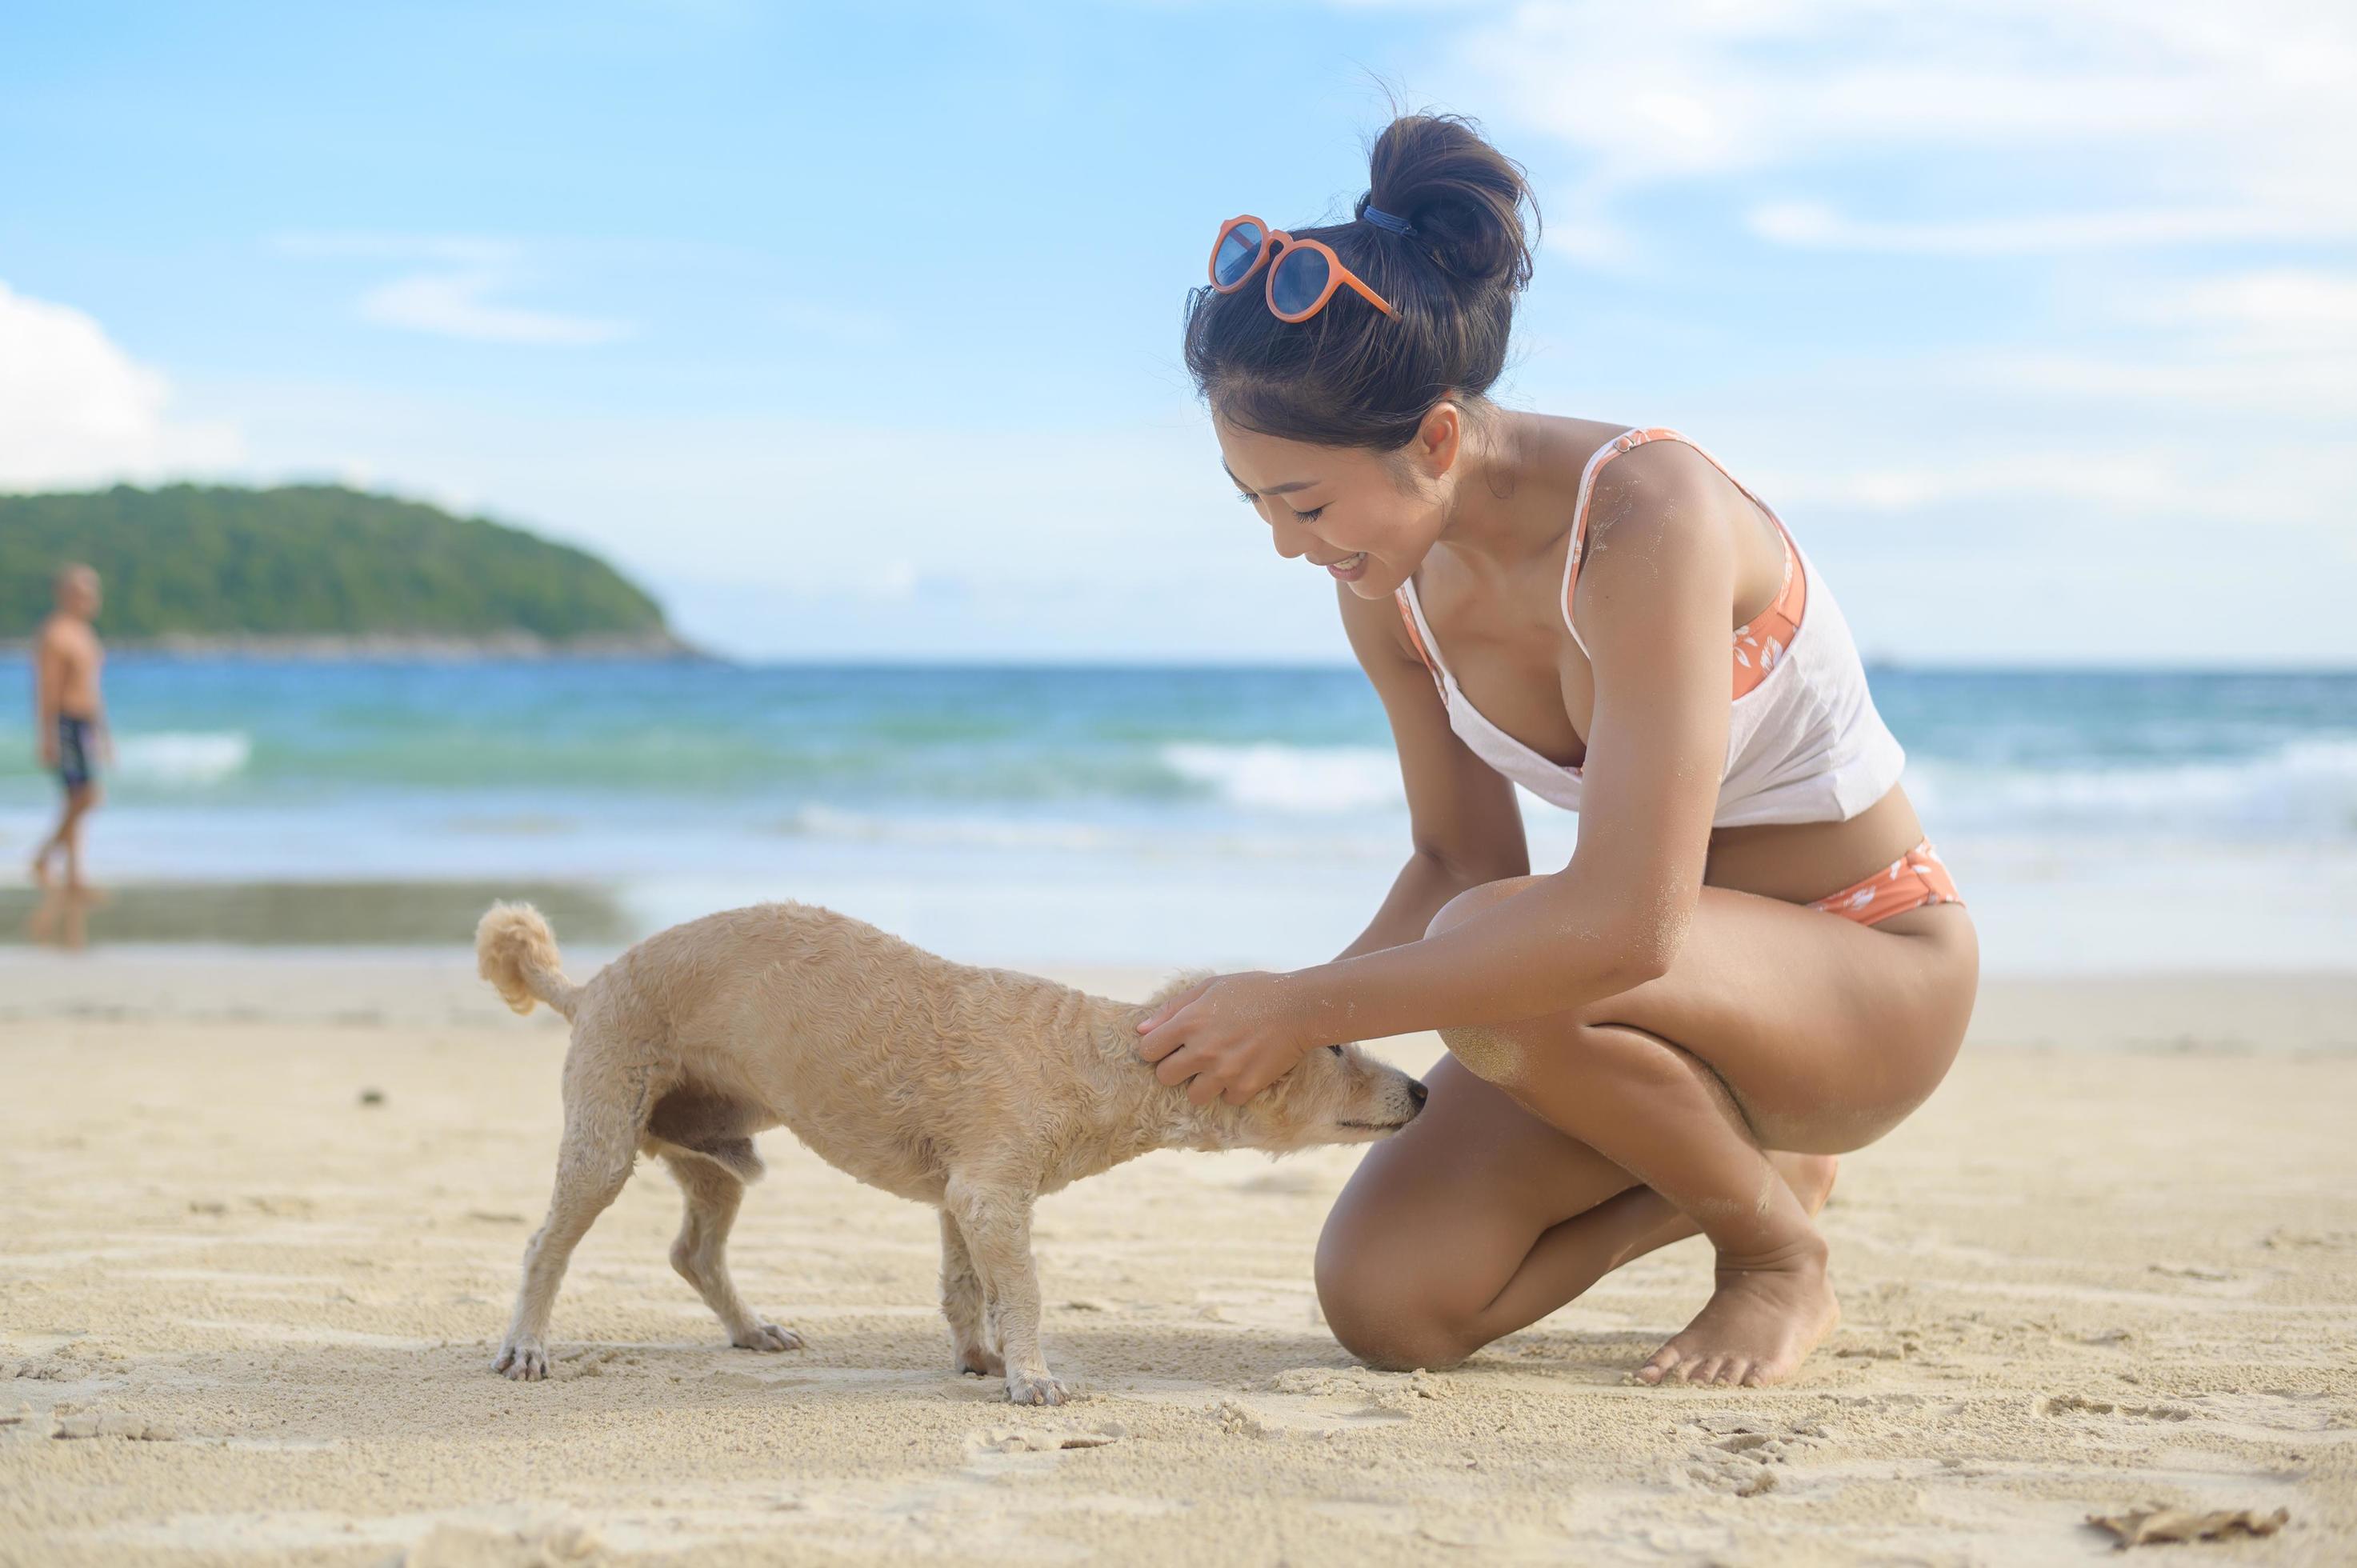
[767, 1337]
[1035, 1387]
[523, 1362]
[977, 1362]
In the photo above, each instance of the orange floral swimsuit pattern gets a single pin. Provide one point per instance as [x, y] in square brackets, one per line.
[1916, 880]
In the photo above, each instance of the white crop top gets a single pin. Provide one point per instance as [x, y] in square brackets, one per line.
[1806, 744]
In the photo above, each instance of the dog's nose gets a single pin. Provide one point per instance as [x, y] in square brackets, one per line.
[1417, 1092]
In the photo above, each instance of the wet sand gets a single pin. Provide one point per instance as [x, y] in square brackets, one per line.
[264, 1215]
[294, 914]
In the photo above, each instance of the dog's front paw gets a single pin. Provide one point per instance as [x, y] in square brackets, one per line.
[523, 1361]
[767, 1337]
[1035, 1387]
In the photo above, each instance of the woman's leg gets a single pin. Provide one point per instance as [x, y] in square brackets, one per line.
[1778, 1026]
[1480, 1219]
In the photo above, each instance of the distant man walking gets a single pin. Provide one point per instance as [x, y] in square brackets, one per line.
[68, 714]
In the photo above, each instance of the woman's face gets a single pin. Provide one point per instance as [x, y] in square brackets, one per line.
[1367, 518]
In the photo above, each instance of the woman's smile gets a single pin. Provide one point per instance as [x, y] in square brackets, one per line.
[1350, 568]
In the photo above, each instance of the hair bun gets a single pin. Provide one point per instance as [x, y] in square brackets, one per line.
[1358, 377]
[1464, 196]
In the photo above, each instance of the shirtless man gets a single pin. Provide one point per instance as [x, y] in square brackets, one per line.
[69, 715]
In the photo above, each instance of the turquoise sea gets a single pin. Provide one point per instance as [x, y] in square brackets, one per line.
[2096, 820]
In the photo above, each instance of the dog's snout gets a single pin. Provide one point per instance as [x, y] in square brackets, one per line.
[1417, 1092]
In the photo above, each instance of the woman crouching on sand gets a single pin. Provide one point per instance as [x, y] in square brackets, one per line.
[1754, 962]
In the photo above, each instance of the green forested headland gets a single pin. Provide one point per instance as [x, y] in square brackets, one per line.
[316, 561]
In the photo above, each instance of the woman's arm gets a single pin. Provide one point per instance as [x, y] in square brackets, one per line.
[1654, 605]
[1464, 824]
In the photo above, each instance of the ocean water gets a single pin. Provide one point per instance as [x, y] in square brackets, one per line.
[2096, 820]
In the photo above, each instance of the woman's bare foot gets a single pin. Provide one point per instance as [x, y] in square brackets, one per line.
[1759, 1325]
[1767, 1315]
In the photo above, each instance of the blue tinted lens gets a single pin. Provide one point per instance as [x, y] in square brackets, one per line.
[1236, 253]
[1299, 278]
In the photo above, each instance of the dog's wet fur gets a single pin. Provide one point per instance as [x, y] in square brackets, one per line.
[972, 1089]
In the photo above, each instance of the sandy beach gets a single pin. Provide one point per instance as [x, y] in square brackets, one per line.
[265, 1217]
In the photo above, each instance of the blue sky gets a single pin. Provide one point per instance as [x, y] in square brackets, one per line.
[853, 330]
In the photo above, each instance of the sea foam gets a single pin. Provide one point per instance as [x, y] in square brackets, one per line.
[183, 758]
[1292, 778]
[2302, 788]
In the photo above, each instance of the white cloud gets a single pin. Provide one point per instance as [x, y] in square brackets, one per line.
[2137, 403]
[457, 305]
[76, 410]
[2271, 307]
[1816, 226]
[2136, 484]
[2210, 122]
[455, 296]
[2287, 376]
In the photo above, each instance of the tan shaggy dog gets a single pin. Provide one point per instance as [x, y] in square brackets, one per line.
[973, 1090]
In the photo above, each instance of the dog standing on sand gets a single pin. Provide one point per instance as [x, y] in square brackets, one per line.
[972, 1089]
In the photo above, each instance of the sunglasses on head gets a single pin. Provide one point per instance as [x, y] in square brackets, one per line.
[1303, 275]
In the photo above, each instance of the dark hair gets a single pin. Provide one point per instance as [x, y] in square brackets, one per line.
[1351, 376]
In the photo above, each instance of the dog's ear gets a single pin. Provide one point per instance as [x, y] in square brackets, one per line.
[1177, 984]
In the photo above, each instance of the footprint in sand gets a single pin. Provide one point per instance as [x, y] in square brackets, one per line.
[1740, 1455]
[1040, 1439]
[557, 1545]
[1396, 1392]
[113, 1423]
[40, 1371]
[2078, 1405]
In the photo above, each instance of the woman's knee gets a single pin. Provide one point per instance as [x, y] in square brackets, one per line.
[1495, 1054]
[1492, 1053]
[1376, 1287]
[1383, 1319]
[1473, 900]
[1499, 1053]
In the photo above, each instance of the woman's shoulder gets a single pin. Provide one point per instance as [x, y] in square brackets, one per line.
[1617, 462]
[1666, 524]
[1569, 440]
[1658, 479]
[1659, 512]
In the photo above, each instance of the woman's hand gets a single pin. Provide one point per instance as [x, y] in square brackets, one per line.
[1232, 1035]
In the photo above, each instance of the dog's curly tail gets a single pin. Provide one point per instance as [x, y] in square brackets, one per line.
[516, 951]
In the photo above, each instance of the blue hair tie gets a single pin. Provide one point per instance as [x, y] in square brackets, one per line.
[1383, 219]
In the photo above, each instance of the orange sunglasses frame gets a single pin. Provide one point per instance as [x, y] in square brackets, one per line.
[1273, 245]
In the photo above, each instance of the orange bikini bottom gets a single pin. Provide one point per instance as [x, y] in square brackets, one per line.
[1914, 881]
